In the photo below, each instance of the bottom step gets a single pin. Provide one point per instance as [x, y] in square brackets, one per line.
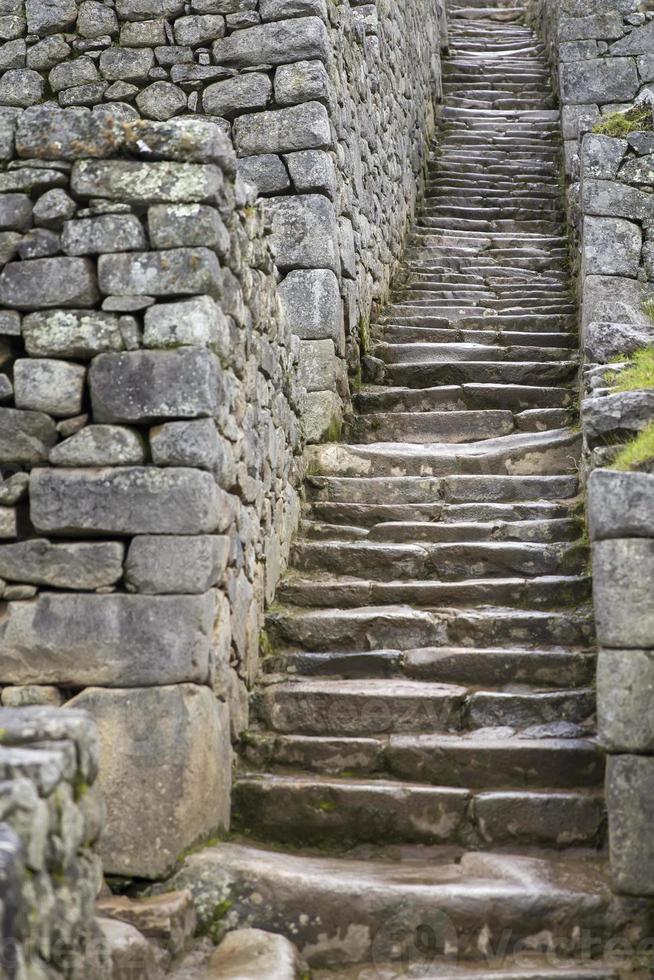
[340, 912]
[422, 968]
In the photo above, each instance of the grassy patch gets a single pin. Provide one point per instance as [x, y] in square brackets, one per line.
[620, 124]
[639, 374]
[648, 308]
[637, 453]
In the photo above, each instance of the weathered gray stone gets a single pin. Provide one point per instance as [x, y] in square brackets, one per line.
[180, 225]
[625, 412]
[13, 54]
[53, 208]
[283, 130]
[51, 17]
[321, 413]
[605, 25]
[129, 952]
[274, 44]
[51, 386]
[15, 212]
[115, 640]
[625, 689]
[165, 773]
[49, 133]
[305, 233]
[48, 52]
[312, 304]
[613, 298]
[8, 527]
[605, 340]
[81, 71]
[21, 87]
[620, 505]
[611, 247]
[236, 95]
[100, 445]
[48, 282]
[83, 501]
[161, 100]
[39, 243]
[610, 198]
[639, 170]
[312, 172]
[275, 956]
[104, 233]
[630, 799]
[95, 19]
[639, 41]
[143, 386]
[170, 272]
[623, 591]
[62, 566]
[194, 443]
[188, 139]
[143, 34]
[266, 171]
[601, 156]
[25, 437]
[143, 182]
[317, 365]
[197, 322]
[304, 81]
[31, 694]
[168, 563]
[599, 80]
[147, 9]
[199, 29]
[167, 920]
[71, 333]
[277, 9]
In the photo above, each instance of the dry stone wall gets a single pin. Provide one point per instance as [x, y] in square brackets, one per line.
[168, 341]
[604, 64]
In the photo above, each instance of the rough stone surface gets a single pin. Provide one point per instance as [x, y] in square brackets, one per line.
[47, 283]
[64, 566]
[624, 601]
[625, 688]
[630, 796]
[173, 564]
[620, 505]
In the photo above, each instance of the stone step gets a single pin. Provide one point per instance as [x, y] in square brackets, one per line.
[344, 910]
[428, 427]
[516, 966]
[517, 530]
[322, 590]
[536, 323]
[450, 561]
[369, 515]
[493, 667]
[404, 628]
[460, 397]
[426, 374]
[424, 353]
[477, 760]
[523, 454]
[377, 811]
[477, 490]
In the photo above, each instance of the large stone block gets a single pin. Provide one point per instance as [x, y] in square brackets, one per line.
[100, 445]
[317, 365]
[91, 565]
[322, 414]
[80, 334]
[235, 95]
[625, 694]
[127, 500]
[611, 247]
[599, 80]
[623, 590]
[179, 225]
[45, 132]
[620, 505]
[197, 322]
[630, 799]
[605, 340]
[614, 199]
[625, 412]
[305, 233]
[604, 26]
[143, 386]
[48, 282]
[172, 563]
[312, 304]
[117, 640]
[278, 43]
[25, 437]
[103, 233]
[144, 182]
[639, 41]
[299, 127]
[170, 272]
[614, 298]
[165, 768]
[46, 385]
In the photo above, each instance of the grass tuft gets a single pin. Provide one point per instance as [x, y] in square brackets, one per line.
[620, 124]
[639, 374]
[638, 454]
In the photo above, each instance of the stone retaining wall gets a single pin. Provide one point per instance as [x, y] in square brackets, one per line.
[603, 61]
[50, 816]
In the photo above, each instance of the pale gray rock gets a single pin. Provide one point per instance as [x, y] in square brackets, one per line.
[82, 501]
[21, 87]
[126, 64]
[143, 34]
[321, 413]
[10, 323]
[605, 25]
[275, 956]
[13, 54]
[161, 100]
[607, 298]
[48, 52]
[625, 688]
[615, 199]
[283, 130]
[25, 437]
[639, 41]
[51, 17]
[599, 80]
[147, 9]
[194, 443]
[620, 505]
[277, 43]
[312, 172]
[53, 208]
[32, 694]
[50, 282]
[303, 81]
[237, 95]
[199, 29]
[104, 233]
[96, 19]
[147, 183]
[606, 340]
[630, 799]
[196, 322]
[317, 365]
[81, 71]
[50, 386]
[169, 272]
[50, 133]
[278, 9]
[143, 386]
[71, 333]
[623, 590]
[266, 171]
[188, 139]
[611, 246]
[100, 445]
[39, 243]
[625, 412]
[175, 787]
[8, 529]
[129, 952]
[170, 563]
[639, 170]
[62, 566]
[601, 156]
[312, 304]
[180, 225]
[305, 233]
[15, 212]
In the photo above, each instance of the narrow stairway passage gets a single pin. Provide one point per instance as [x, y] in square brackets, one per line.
[425, 749]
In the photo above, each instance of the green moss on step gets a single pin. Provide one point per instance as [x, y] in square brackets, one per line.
[639, 374]
[638, 453]
[620, 124]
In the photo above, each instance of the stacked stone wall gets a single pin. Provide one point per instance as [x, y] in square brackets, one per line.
[603, 61]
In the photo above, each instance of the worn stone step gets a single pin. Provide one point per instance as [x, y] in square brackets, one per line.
[323, 590]
[513, 967]
[546, 453]
[477, 760]
[426, 374]
[485, 334]
[404, 628]
[425, 353]
[307, 809]
[457, 489]
[341, 911]
[542, 419]
[459, 397]
[417, 532]
[530, 322]
[428, 427]
[368, 515]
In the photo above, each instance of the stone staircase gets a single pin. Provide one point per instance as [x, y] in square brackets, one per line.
[424, 785]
